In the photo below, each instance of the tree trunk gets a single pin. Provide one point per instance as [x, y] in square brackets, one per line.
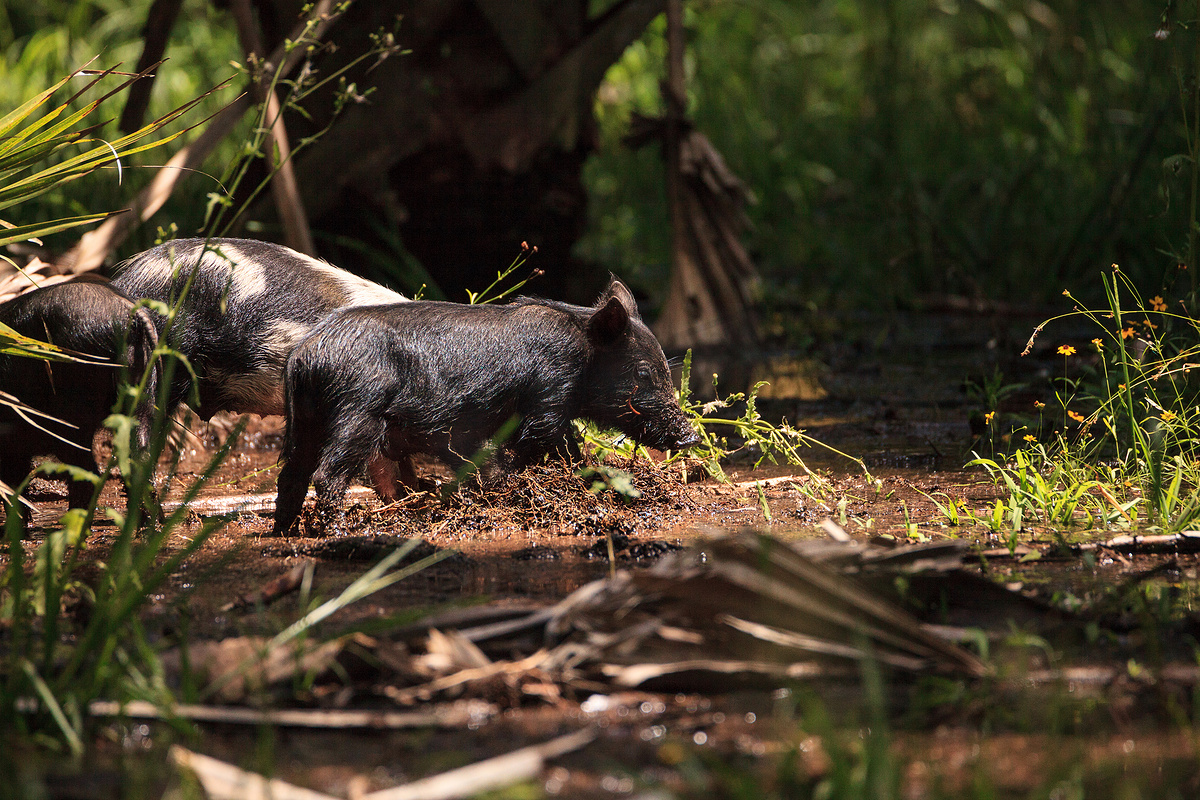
[469, 144]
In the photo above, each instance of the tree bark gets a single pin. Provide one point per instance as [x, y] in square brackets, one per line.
[709, 298]
[470, 143]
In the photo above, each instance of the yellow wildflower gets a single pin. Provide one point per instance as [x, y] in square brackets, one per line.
[1066, 350]
[1038, 404]
[1029, 437]
[1099, 344]
[1157, 303]
[1075, 415]
[989, 416]
[1150, 325]
[1127, 333]
[1167, 416]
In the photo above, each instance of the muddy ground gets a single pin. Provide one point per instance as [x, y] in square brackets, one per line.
[889, 393]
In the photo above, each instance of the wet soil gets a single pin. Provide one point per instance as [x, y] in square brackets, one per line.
[888, 393]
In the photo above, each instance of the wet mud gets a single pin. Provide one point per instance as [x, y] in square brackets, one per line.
[893, 397]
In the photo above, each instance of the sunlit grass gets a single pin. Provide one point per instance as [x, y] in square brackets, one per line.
[1118, 444]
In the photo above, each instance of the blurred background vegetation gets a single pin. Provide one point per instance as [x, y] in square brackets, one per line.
[999, 149]
[43, 42]
[899, 150]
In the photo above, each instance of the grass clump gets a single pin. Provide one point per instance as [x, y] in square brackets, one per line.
[50, 669]
[71, 631]
[1119, 443]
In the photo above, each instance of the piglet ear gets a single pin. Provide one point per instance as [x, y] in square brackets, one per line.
[620, 292]
[609, 322]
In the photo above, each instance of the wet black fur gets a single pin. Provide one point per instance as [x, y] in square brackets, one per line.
[441, 378]
[88, 316]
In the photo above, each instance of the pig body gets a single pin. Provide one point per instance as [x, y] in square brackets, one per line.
[247, 306]
[89, 317]
[381, 383]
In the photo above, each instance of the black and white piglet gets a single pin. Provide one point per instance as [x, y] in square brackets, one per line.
[89, 317]
[248, 303]
[373, 385]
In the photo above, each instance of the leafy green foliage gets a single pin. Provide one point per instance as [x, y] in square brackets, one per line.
[47, 681]
[898, 148]
[40, 151]
[610, 479]
[775, 443]
[109, 655]
[764, 440]
[1120, 445]
[44, 41]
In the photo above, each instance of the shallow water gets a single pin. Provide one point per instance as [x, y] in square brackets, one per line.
[891, 394]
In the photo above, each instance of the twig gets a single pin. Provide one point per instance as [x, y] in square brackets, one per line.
[454, 715]
[251, 503]
[425, 690]
[222, 781]
[404, 503]
[490, 774]
[1186, 542]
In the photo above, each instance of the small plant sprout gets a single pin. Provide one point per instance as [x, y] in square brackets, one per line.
[493, 291]
[953, 511]
[610, 479]
[911, 529]
[762, 501]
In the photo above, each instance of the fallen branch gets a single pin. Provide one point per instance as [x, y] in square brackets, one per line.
[1100, 675]
[250, 503]
[490, 774]
[94, 246]
[500, 668]
[763, 482]
[1185, 542]
[453, 715]
[223, 781]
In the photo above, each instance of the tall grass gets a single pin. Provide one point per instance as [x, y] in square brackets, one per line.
[52, 668]
[50, 673]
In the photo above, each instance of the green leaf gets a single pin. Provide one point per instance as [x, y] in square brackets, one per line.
[122, 427]
[40, 229]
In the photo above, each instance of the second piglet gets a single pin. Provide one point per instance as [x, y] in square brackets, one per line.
[376, 384]
[91, 319]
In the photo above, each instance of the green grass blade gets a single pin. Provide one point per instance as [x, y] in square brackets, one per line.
[70, 735]
[40, 229]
